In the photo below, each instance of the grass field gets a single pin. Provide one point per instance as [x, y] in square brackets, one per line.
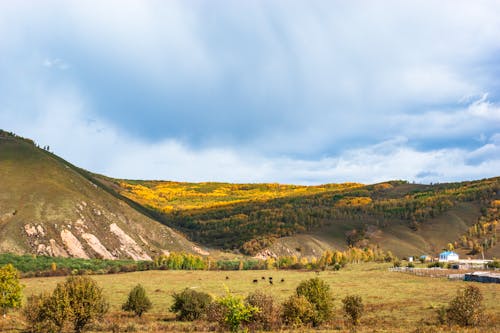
[395, 302]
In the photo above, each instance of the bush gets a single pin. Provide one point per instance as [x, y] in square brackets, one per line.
[353, 308]
[396, 264]
[297, 311]
[78, 301]
[494, 264]
[318, 294]
[466, 308]
[10, 288]
[436, 264]
[235, 312]
[410, 265]
[268, 317]
[137, 301]
[35, 314]
[190, 304]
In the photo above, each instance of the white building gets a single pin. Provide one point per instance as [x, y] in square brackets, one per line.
[447, 256]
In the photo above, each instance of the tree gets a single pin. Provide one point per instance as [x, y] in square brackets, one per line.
[137, 301]
[10, 289]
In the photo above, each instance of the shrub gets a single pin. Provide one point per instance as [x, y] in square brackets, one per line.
[190, 304]
[297, 311]
[410, 265]
[318, 294]
[466, 308]
[35, 315]
[78, 301]
[10, 288]
[353, 308]
[396, 264]
[235, 312]
[137, 301]
[436, 264]
[268, 317]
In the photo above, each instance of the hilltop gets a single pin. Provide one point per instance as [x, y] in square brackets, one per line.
[48, 206]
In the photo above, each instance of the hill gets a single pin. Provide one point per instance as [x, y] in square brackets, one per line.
[50, 207]
[285, 219]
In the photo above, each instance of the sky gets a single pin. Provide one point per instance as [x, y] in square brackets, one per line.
[304, 92]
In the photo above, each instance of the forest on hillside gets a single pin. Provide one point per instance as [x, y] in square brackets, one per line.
[253, 224]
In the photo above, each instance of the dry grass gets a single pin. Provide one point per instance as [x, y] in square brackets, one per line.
[394, 302]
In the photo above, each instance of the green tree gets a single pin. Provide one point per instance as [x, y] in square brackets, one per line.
[317, 292]
[137, 301]
[10, 289]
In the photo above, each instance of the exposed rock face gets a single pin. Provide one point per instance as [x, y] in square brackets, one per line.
[73, 245]
[96, 245]
[50, 207]
[128, 245]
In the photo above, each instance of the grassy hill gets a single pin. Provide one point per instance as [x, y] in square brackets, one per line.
[48, 206]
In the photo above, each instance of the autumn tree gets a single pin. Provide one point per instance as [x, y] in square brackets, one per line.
[10, 289]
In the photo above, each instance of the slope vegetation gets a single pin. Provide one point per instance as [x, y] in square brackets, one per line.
[49, 207]
[398, 216]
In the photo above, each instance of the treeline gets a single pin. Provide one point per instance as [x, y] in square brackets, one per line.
[482, 235]
[254, 225]
[32, 265]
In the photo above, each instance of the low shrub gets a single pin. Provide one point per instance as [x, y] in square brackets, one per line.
[297, 311]
[137, 301]
[269, 315]
[235, 312]
[190, 304]
[353, 308]
[466, 308]
[318, 294]
[78, 301]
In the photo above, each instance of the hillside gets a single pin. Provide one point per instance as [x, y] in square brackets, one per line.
[398, 216]
[48, 207]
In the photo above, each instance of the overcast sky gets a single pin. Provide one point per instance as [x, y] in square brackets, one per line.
[288, 91]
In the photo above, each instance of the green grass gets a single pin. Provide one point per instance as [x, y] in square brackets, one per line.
[394, 301]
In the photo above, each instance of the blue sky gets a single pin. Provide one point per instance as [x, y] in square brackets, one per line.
[257, 91]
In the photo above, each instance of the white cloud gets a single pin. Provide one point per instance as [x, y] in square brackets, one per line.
[311, 75]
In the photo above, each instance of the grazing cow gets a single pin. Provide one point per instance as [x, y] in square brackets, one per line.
[270, 281]
[282, 280]
[255, 280]
[227, 277]
[263, 278]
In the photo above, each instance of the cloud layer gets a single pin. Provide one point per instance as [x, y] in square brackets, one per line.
[296, 92]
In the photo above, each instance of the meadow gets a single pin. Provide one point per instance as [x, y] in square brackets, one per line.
[394, 302]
